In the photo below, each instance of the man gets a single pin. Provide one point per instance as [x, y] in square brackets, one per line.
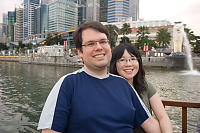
[91, 100]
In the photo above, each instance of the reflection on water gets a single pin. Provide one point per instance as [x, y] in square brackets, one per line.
[171, 84]
[23, 91]
[24, 88]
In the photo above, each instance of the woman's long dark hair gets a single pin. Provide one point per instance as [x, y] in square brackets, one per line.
[117, 53]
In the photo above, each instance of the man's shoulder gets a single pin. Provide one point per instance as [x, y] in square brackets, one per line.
[113, 76]
[118, 79]
[73, 74]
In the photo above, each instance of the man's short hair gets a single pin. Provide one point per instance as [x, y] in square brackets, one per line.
[77, 35]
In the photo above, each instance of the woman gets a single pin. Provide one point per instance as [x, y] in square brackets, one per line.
[126, 61]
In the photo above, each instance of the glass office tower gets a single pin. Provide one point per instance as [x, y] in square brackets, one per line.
[122, 9]
[29, 16]
[11, 23]
[63, 15]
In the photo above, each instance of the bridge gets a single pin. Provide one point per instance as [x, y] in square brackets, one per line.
[40, 38]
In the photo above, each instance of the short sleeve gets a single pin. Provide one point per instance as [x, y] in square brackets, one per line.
[150, 90]
[57, 107]
[141, 111]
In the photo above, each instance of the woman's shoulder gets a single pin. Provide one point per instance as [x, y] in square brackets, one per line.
[149, 89]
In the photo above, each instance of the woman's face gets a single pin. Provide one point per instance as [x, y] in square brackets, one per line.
[127, 66]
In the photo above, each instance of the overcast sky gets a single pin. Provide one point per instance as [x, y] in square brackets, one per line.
[187, 11]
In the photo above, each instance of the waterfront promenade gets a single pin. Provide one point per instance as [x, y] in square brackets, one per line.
[74, 61]
[71, 61]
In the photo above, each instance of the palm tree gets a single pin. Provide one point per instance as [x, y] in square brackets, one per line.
[143, 38]
[196, 45]
[113, 31]
[125, 30]
[163, 38]
[190, 34]
[193, 40]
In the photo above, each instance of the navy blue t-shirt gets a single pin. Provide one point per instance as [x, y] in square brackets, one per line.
[84, 103]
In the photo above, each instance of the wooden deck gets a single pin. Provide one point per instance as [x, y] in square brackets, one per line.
[184, 105]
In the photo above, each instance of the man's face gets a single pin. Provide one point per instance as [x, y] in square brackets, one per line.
[97, 56]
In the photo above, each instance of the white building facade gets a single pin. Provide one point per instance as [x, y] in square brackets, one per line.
[29, 17]
[19, 25]
[153, 26]
[54, 50]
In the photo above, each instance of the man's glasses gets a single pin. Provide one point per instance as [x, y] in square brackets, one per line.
[94, 43]
[123, 61]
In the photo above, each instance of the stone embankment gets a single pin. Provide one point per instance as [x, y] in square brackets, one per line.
[170, 62]
[45, 60]
[165, 62]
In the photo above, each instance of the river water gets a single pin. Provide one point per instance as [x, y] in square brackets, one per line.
[24, 89]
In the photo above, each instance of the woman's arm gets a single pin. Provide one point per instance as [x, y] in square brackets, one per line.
[160, 113]
[151, 125]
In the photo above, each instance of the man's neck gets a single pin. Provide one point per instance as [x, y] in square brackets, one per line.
[97, 72]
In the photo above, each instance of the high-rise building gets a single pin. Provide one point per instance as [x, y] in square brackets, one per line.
[5, 18]
[44, 2]
[29, 16]
[81, 11]
[5, 28]
[11, 23]
[117, 9]
[134, 9]
[63, 15]
[42, 19]
[103, 10]
[92, 10]
[19, 25]
[122, 9]
[1, 33]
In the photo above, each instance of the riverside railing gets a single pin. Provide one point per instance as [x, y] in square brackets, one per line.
[184, 105]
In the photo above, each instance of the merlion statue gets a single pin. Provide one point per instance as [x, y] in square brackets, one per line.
[178, 31]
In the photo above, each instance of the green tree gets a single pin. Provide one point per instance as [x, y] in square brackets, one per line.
[21, 45]
[143, 36]
[163, 38]
[113, 31]
[29, 46]
[48, 40]
[54, 39]
[58, 39]
[196, 45]
[3, 46]
[151, 43]
[190, 34]
[125, 30]
[193, 40]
